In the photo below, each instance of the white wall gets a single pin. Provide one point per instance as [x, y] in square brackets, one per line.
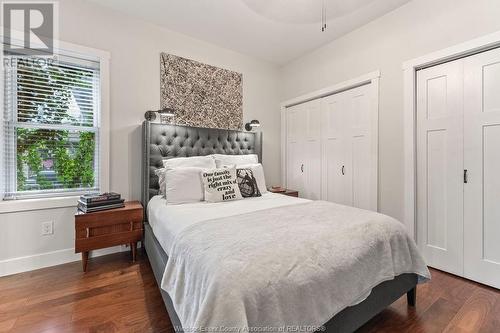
[420, 27]
[135, 48]
[413, 30]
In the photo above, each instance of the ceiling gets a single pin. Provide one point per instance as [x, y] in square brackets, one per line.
[274, 30]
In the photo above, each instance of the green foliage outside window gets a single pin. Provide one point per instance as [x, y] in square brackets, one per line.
[51, 158]
[73, 162]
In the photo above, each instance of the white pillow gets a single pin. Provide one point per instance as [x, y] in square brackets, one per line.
[183, 185]
[221, 160]
[220, 185]
[206, 162]
[258, 173]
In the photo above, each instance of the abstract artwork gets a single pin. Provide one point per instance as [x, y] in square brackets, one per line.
[201, 95]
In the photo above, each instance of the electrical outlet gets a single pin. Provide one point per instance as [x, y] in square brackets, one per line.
[47, 228]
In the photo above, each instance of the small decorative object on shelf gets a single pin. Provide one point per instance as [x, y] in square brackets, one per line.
[284, 191]
[89, 203]
[107, 228]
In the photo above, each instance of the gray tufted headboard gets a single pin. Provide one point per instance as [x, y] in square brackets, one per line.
[161, 141]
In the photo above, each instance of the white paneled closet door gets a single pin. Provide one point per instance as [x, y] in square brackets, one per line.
[350, 148]
[295, 141]
[332, 147]
[482, 161]
[304, 149]
[440, 166]
[312, 149]
[335, 143]
[360, 159]
[458, 166]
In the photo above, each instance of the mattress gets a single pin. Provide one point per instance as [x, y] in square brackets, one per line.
[168, 221]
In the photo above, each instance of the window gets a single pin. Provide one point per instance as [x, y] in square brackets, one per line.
[51, 126]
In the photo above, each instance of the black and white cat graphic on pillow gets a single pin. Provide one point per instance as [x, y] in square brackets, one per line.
[247, 183]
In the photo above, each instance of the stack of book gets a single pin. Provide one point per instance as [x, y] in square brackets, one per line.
[89, 203]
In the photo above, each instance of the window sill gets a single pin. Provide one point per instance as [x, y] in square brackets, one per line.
[12, 206]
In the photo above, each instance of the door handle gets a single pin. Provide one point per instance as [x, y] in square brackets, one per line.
[302, 168]
[343, 173]
[466, 177]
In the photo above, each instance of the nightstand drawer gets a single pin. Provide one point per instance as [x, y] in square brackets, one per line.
[108, 217]
[107, 240]
[115, 228]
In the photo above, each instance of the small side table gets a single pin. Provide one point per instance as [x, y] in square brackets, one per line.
[290, 193]
[108, 228]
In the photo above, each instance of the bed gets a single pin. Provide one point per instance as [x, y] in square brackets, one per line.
[174, 230]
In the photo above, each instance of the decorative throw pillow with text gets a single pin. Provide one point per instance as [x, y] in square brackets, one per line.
[220, 185]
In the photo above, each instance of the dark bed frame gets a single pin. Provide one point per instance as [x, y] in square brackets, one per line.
[161, 141]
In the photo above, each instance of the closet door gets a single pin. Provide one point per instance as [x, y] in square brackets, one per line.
[358, 155]
[348, 147]
[482, 161]
[312, 149]
[337, 187]
[440, 165]
[295, 148]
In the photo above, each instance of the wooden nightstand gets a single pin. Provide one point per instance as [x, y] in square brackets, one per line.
[290, 193]
[108, 228]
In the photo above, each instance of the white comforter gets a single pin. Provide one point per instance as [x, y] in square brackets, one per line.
[168, 221]
[294, 265]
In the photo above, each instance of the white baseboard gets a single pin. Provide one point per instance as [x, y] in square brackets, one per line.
[42, 260]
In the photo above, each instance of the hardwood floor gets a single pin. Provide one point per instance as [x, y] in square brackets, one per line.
[445, 304]
[118, 296]
[113, 296]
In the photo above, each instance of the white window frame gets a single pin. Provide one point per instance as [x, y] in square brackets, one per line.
[83, 52]
[410, 68]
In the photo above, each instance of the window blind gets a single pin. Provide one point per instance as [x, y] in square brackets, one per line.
[51, 126]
